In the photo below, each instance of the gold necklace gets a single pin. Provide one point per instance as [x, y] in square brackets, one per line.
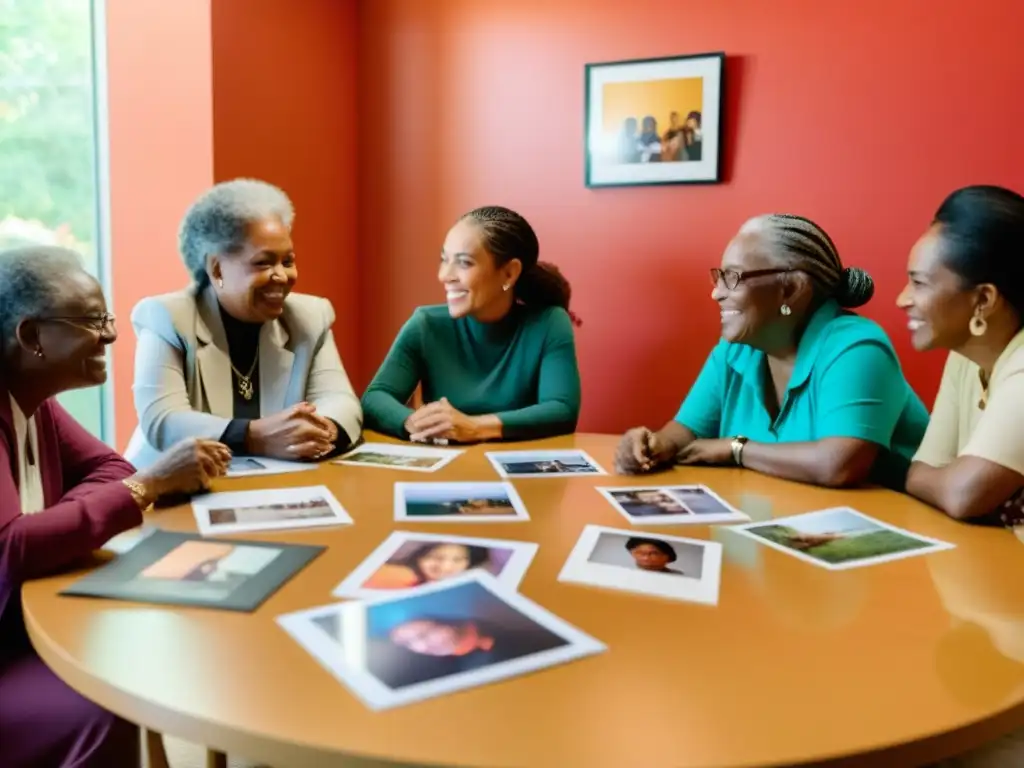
[245, 381]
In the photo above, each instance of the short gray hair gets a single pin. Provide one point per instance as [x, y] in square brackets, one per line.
[218, 221]
[799, 243]
[29, 284]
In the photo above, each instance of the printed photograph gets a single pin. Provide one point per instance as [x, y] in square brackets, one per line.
[839, 538]
[476, 502]
[661, 566]
[390, 456]
[448, 637]
[664, 505]
[247, 466]
[184, 569]
[543, 463]
[243, 465]
[220, 566]
[273, 509]
[407, 561]
[654, 121]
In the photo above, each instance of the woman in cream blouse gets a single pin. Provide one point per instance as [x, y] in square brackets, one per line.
[966, 294]
[238, 357]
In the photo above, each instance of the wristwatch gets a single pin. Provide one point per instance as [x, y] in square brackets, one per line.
[737, 449]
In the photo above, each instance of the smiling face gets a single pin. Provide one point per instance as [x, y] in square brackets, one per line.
[473, 283]
[436, 638]
[72, 337]
[751, 312]
[939, 307]
[257, 279]
[444, 561]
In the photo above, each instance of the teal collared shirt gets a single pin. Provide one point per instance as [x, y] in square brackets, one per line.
[846, 382]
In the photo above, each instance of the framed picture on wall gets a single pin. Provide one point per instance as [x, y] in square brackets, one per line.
[654, 121]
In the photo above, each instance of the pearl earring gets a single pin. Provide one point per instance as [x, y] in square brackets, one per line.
[39, 352]
[785, 310]
[220, 282]
[504, 287]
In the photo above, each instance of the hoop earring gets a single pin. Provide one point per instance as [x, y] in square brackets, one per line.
[785, 310]
[978, 326]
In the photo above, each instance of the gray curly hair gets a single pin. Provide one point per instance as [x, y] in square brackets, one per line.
[30, 285]
[218, 221]
[799, 243]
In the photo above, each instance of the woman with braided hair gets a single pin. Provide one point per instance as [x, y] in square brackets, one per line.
[798, 387]
[498, 359]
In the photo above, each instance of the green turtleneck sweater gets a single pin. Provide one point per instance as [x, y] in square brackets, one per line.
[521, 369]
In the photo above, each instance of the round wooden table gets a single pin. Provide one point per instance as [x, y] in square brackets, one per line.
[894, 664]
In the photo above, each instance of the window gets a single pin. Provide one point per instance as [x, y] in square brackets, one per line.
[49, 169]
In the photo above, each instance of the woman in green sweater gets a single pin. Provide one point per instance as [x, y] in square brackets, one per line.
[497, 361]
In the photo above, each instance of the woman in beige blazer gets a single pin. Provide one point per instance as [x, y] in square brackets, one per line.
[237, 356]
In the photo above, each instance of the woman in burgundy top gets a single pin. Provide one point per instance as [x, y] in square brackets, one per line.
[63, 494]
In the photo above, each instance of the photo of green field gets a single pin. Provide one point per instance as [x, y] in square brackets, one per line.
[839, 537]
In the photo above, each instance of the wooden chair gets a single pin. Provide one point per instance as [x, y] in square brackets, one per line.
[155, 754]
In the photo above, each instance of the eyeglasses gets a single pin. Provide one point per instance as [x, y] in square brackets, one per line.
[732, 277]
[105, 323]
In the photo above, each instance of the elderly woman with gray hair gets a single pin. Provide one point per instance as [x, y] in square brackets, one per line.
[798, 387]
[63, 494]
[237, 356]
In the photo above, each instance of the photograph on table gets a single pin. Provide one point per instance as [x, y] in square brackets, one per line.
[552, 463]
[390, 456]
[839, 538]
[658, 565]
[186, 569]
[445, 637]
[268, 510]
[672, 504]
[463, 502]
[654, 121]
[251, 466]
[408, 561]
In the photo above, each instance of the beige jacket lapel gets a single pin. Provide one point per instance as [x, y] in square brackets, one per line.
[212, 358]
[275, 368]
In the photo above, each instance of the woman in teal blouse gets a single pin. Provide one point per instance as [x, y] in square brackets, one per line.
[498, 360]
[798, 387]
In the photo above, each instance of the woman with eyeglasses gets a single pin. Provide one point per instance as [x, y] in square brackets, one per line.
[798, 387]
[966, 294]
[63, 494]
[238, 356]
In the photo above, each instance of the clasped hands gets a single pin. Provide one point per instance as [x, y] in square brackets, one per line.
[440, 420]
[298, 432]
[642, 450]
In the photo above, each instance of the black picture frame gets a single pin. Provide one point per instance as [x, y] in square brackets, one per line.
[616, 92]
[124, 578]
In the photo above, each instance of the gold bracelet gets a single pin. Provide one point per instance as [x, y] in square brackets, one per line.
[138, 491]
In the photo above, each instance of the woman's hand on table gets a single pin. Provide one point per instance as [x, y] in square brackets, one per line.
[186, 467]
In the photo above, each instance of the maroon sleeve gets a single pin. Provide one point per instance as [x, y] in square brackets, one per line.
[83, 520]
[87, 462]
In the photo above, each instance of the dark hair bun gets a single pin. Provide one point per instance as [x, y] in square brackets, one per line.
[855, 288]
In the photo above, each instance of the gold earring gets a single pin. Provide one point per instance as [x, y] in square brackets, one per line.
[978, 326]
[785, 310]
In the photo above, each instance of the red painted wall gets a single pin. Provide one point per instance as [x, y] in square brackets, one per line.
[161, 156]
[859, 115]
[284, 110]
